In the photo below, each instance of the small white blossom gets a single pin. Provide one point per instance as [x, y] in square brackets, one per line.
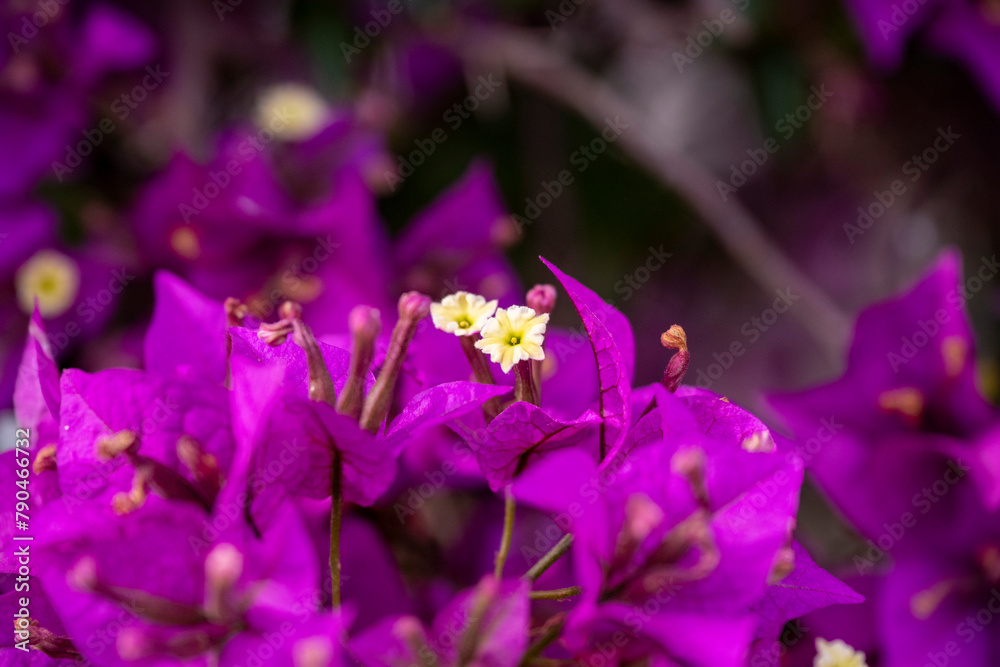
[837, 654]
[514, 335]
[462, 313]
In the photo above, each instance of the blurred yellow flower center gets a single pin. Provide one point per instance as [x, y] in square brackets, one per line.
[292, 111]
[50, 277]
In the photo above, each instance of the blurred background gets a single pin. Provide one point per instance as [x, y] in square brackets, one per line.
[754, 170]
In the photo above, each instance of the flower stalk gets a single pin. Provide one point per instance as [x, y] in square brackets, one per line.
[508, 531]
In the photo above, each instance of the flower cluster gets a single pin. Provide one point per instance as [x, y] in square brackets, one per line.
[228, 504]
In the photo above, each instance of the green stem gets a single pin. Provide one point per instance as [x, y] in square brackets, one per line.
[508, 531]
[481, 371]
[543, 642]
[556, 594]
[546, 561]
[336, 515]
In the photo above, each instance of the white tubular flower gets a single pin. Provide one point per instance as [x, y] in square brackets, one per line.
[837, 654]
[462, 313]
[52, 278]
[514, 335]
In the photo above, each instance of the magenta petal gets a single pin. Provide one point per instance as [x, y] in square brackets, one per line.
[187, 335]
[723, 420]
[503, 629]
[807, 589]
[693, 640]
[158, 409]
[36, 393]
[963, 32]
[438, 405]
[616, 323]
[295, 454]
[384, 644]
[261, 372]
[614, 351]
[522, 433]
[669, 418]
[113, 40]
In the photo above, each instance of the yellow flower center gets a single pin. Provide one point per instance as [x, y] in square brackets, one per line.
[50, 277]
[462, 313]
[292, 111]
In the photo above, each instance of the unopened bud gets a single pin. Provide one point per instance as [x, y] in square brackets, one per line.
[223, 565]
[414, 306]
[674, 338]
[541, 298]
[365, 322]
[365, 325]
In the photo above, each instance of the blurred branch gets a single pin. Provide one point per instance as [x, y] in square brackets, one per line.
[529, 60]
